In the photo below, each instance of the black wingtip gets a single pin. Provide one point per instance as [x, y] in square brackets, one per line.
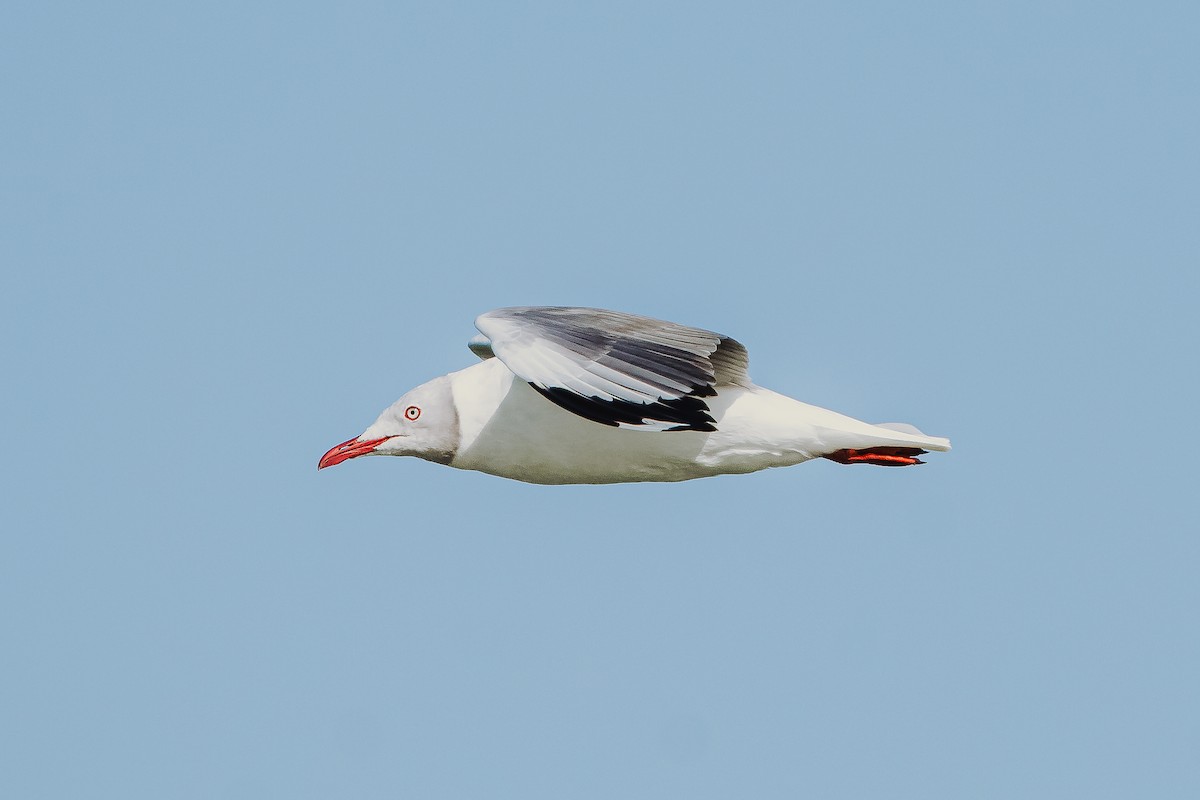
[687, 413]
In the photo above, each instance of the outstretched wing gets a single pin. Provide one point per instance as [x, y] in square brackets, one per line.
[615, 368]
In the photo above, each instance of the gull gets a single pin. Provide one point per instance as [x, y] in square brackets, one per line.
[583, 395]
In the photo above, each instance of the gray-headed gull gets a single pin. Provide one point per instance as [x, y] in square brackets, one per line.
[583, 395]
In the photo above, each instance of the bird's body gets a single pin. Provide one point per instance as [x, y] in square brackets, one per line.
[588, 396]
[515, 433]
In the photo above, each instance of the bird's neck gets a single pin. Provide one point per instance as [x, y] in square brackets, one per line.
[478, 391]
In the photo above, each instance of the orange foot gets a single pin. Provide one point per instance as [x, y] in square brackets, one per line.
[879, 456]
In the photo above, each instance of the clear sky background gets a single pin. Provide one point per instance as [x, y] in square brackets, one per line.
[232, 233]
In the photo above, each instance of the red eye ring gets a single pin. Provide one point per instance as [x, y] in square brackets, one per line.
[412, 412]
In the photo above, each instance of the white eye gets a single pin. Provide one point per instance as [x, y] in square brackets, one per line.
[412, 412]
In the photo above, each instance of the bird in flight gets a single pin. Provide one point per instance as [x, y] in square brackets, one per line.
[583, 395]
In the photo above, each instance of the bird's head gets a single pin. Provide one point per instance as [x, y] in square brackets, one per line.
[422, 423]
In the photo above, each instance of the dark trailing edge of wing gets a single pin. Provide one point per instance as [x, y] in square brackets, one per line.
[688, 413]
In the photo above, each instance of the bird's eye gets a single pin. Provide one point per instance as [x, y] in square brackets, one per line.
[412, 412]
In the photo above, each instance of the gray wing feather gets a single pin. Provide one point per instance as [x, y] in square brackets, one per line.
[481, 346]
[616, 368]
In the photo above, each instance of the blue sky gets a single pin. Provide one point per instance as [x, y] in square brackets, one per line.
[232, 234]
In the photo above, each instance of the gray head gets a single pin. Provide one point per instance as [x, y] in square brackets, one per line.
[422, 423]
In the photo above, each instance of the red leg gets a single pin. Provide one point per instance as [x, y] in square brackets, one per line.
[879, 456]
